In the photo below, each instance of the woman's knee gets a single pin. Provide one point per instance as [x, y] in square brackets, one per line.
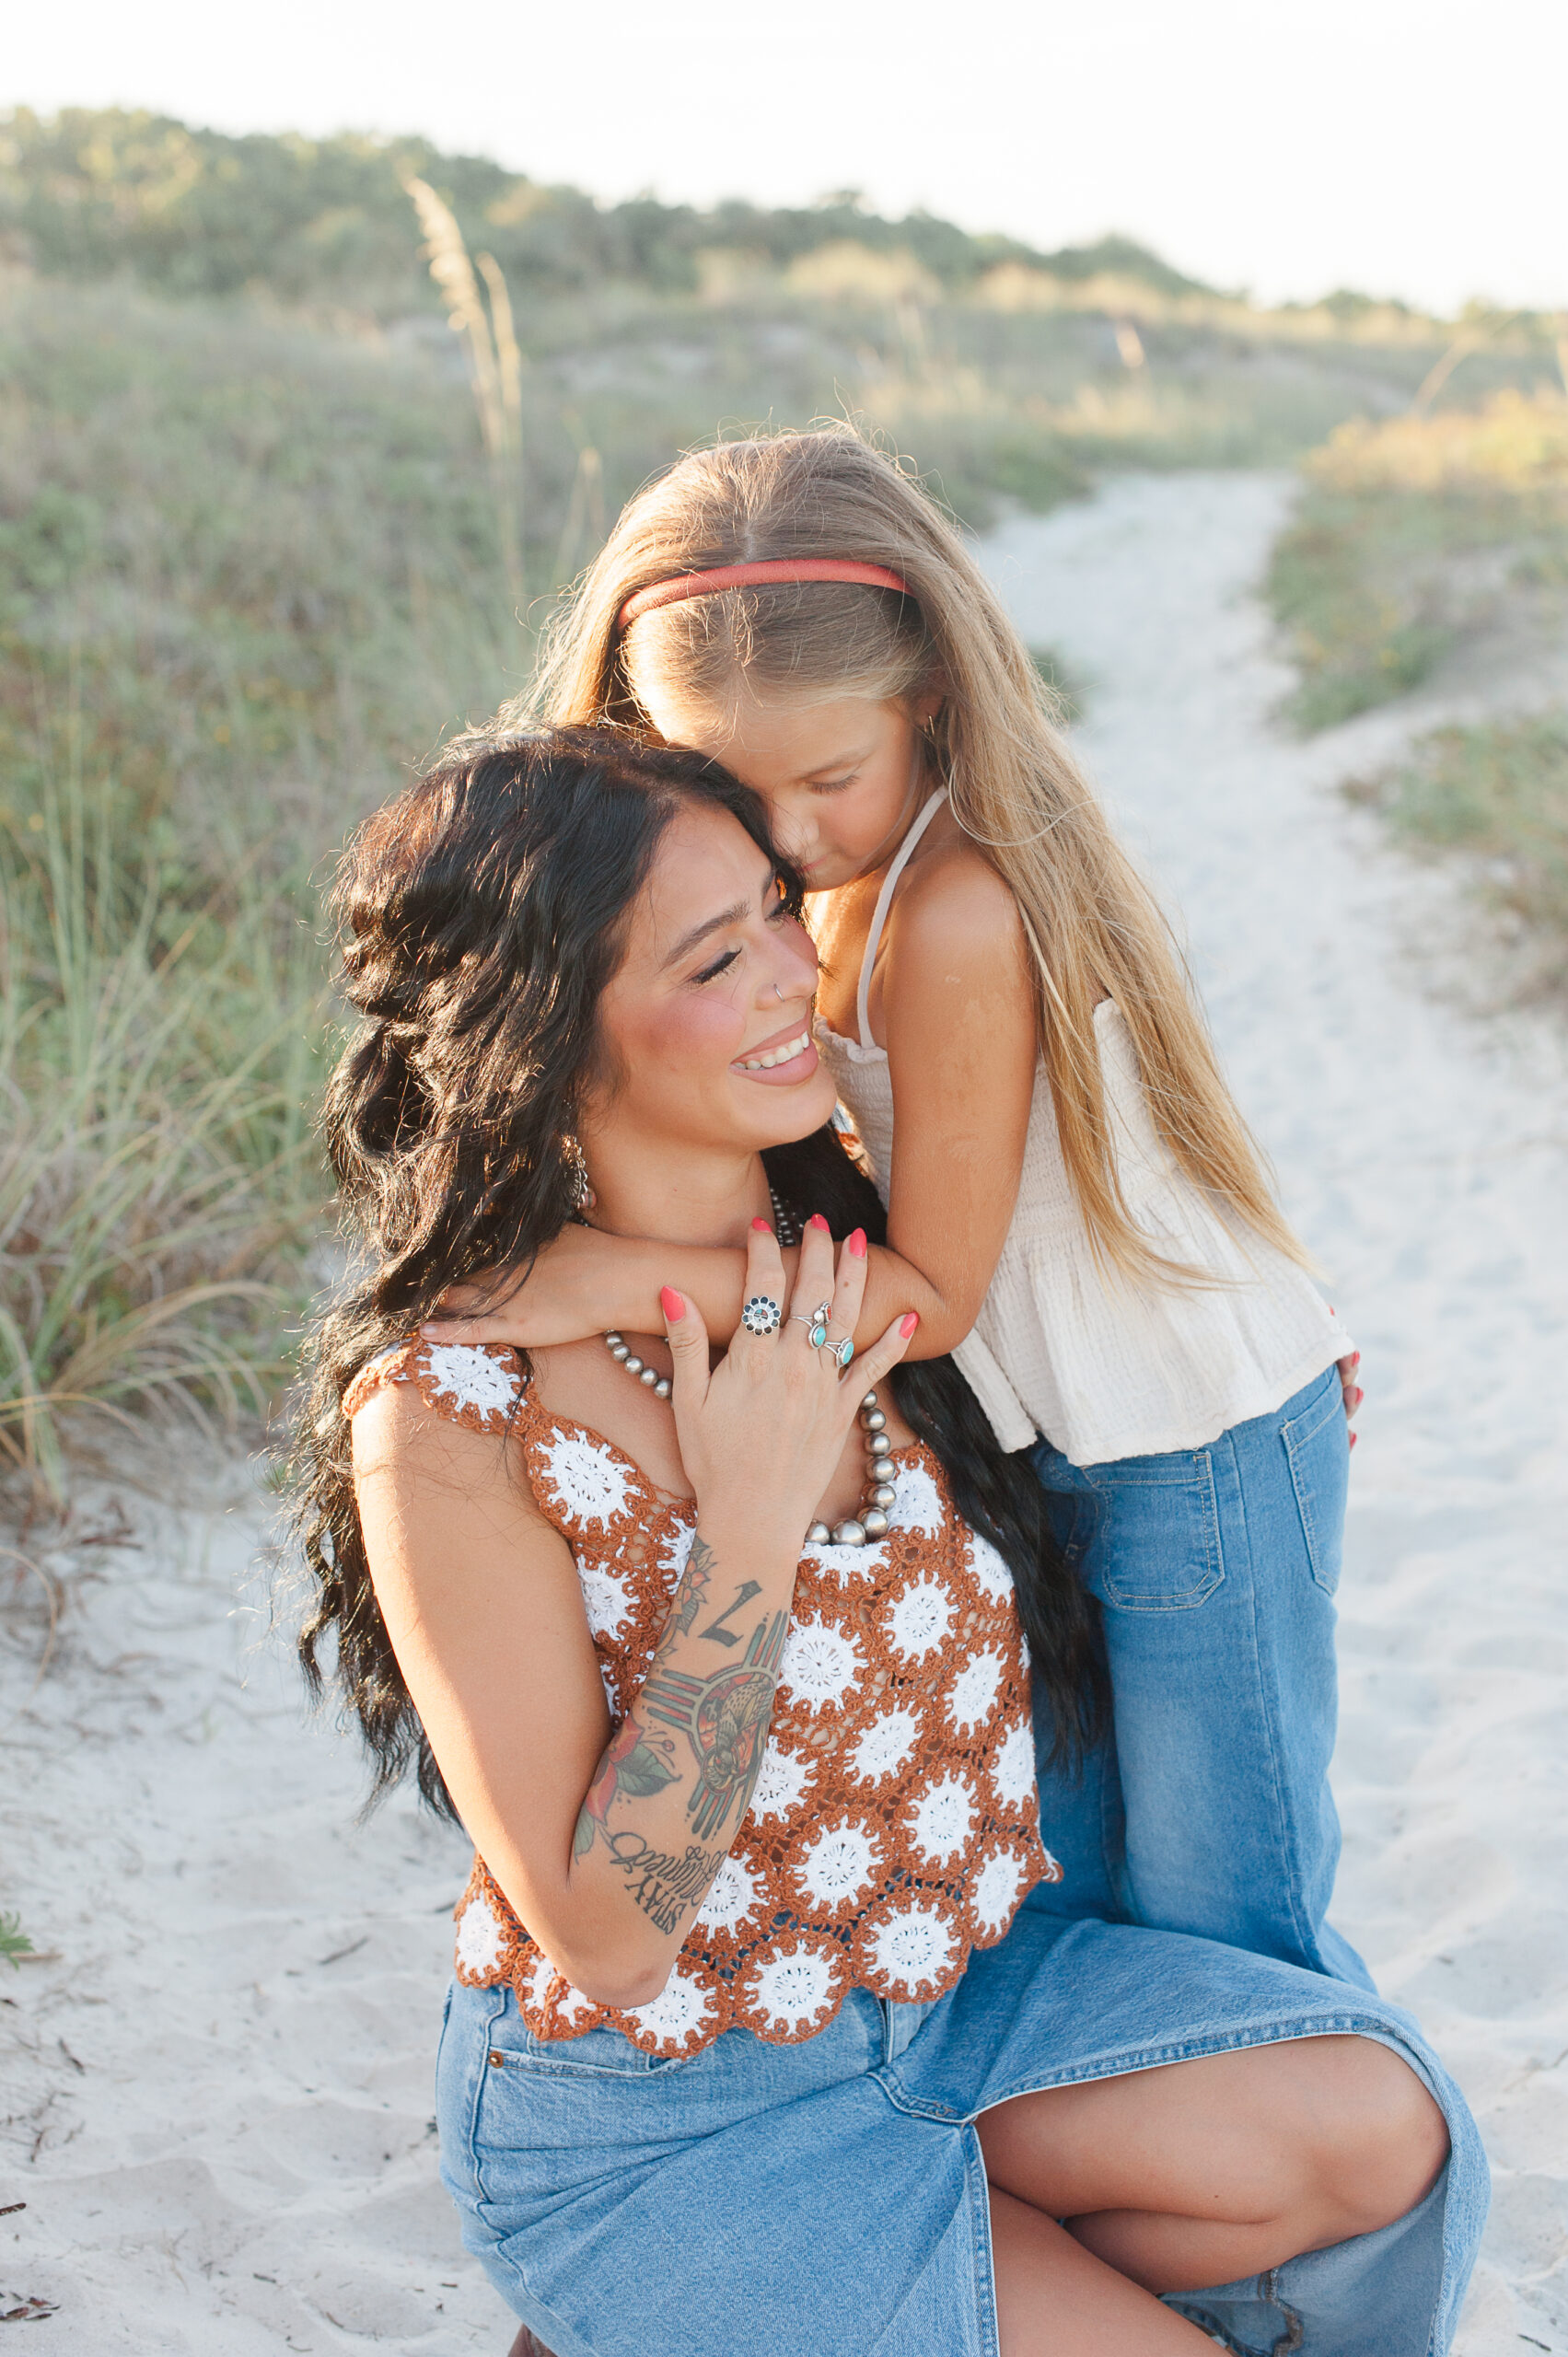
[1380, 2140]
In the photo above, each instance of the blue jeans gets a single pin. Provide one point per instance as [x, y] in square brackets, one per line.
[1209, 1810]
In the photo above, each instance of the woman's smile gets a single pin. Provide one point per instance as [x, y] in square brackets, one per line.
[787, 1056]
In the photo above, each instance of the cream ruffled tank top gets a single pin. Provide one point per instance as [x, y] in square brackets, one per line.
[1068, 1348]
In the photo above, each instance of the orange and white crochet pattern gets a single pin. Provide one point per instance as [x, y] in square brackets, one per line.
[894, 1822]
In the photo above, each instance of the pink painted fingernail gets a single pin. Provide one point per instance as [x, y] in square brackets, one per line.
[1355, 1358]
[908, 1323]
[1352, 1440]
[817, 1220]
[761, 1225]
[857, 1245]
[669, 1301]
[1357, 1397]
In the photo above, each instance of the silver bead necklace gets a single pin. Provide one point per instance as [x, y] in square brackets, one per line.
[869, 1522]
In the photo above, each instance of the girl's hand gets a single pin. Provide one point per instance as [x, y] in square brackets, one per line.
[763, 1431]
[1354, 1394]
[553, 1304]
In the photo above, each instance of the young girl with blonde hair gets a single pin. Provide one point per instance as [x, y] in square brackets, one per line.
[1075, 1208]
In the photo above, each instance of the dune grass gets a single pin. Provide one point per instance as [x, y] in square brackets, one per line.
[248, 573]
[159, 1188]
[1496, 795]
[256, 566]
[1412, 533]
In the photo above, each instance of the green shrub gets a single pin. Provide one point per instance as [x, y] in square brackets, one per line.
[91, 193]
[1377, 575]
[1498, 792]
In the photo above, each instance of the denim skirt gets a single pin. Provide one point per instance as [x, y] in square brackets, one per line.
[829, 2199]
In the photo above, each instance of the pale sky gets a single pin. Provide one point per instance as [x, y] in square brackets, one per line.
[1411, 147]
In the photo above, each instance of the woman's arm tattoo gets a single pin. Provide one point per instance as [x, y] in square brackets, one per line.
[693, 1587]
[665, 1888]
[723, 1718]
[635, 1764]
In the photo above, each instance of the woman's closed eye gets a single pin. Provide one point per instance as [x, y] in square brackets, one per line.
[720, 966]
[777, 912]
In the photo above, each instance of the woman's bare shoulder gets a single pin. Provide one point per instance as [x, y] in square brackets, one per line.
[428, 1415]
[399, 1429]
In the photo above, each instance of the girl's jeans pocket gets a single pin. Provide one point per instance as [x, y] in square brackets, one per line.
[1317, 1446]
[1157, 1546]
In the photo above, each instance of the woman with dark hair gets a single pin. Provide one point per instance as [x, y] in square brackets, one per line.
[723, 1660]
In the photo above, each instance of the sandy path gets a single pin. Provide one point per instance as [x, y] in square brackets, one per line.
[217, 2100]
[1424, 1156]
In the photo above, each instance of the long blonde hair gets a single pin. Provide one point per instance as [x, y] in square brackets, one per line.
[1092, 924]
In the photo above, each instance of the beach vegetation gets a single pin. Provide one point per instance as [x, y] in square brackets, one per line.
[1414, 533]
[270, 530]
[1494, 793]
[1067, 680]
[13, 1942]
[640, 328]
[159, 1190]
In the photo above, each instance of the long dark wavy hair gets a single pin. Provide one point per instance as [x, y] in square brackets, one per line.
[483, 912]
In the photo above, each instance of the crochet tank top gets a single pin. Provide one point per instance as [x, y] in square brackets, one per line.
[894, 1823]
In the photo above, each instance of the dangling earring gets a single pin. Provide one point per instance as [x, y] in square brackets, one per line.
[584, 1198]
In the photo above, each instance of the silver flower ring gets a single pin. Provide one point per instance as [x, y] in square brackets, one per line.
[761, 1314]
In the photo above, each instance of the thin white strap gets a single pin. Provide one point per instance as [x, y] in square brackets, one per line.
[879, 914]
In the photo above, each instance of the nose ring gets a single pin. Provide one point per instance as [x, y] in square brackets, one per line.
[778, 993]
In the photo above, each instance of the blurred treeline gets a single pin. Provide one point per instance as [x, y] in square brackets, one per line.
[1006, 370]
[256, 557]
[85, 195]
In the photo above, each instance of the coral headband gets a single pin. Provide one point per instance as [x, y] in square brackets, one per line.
[746, 577]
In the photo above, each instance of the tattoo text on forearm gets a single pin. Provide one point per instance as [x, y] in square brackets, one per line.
[665, 1888]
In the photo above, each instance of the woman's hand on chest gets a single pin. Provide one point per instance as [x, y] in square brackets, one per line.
[771, 1386]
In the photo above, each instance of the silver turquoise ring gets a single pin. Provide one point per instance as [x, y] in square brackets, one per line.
[842, 1351]
[761, 1314]
[815, 1325]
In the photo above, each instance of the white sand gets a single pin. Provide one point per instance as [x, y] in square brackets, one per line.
[224, 2136]
[217, 2100]
[1422, 1154]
